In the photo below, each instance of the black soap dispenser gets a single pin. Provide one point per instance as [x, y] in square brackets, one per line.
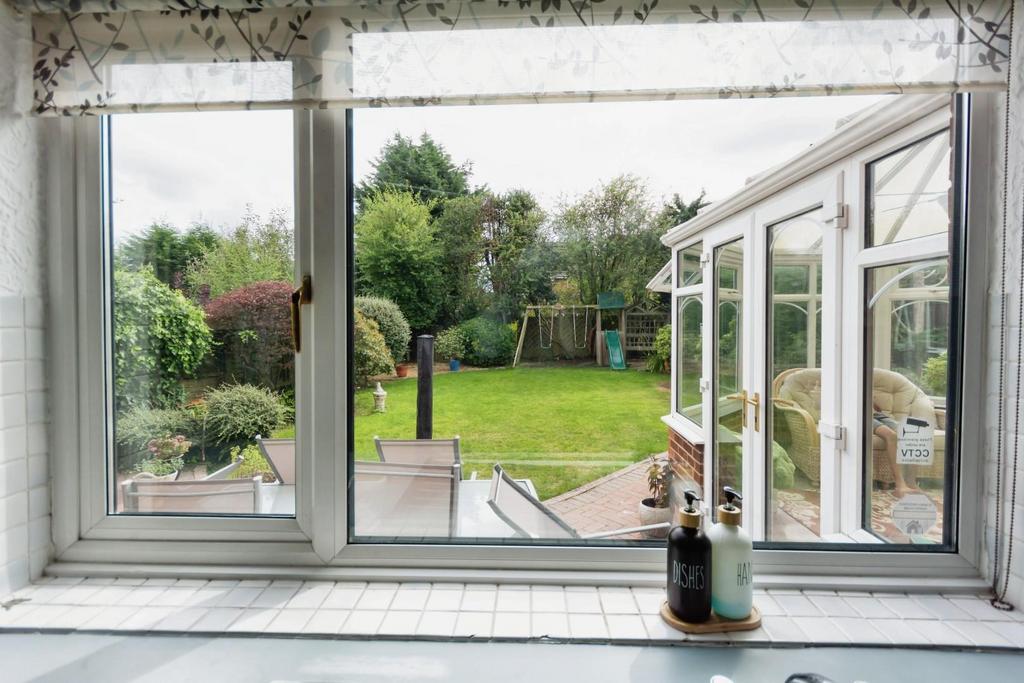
[689, 566]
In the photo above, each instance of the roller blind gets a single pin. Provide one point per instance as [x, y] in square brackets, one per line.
[107, 56]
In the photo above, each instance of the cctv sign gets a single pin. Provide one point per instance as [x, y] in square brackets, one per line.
[915, 443]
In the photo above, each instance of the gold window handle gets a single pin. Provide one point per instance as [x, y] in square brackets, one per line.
[755, 402]
[302, 295]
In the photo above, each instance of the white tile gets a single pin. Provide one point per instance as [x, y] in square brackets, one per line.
[75, 617]
[757, 635]
[222, 583]
[582, 602]
[859, 630]
[617, 601]
[363, 622]
[649, 600]
[444, 600]
[548, 601]
[797, 605]
[980, 634]
[832, 606]
[160, 581]
[40, 616]
[478, 601]
[549, 624]
[109, 595]
[290, 621]
[173, 597]
[311, 596]
[587, 626]
[253, 583]
[181, 619]
[448, 586]
[110, 618]
[76, 595]
[981, 609]
[783, 630]
[900, 606]
[12, 311]
[240, 597]
[253, 620]
[625, 626]
[217, 619]
[481, 587]
[869, 607]
[437, 624]
[898, 631]
[326, 621]
[374, 598]
[9, 616]
[768, 606]
[938, 633]
[657, 629]
[143, 595]
[275, 597]
[940, 607]
[343, 597]
[474, 624]
[511, 625]
[513, 601]
[207, 597]
[48, 593]
[820, 630]
[1012, 631]
[145, 618]
[191, 583]
[399, 623]
[410, 598]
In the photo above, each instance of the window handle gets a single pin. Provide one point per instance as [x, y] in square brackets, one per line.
[754, 402]
[742, 398]
[302, 295]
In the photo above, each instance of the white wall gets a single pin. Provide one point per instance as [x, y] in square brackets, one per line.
[1013, 427]
[24, 479]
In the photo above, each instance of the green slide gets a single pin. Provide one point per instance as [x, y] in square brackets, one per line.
[615, 358]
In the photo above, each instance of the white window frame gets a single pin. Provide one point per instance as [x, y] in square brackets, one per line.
[689, 429]
[315, 542]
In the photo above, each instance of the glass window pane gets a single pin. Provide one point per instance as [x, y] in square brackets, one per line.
[689, 316]
[728, 371]
[688, 265]
[905, 401]
[909, 192]
[201, 236]
[794, 323]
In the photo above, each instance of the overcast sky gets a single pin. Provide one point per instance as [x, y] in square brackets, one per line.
[206, 167]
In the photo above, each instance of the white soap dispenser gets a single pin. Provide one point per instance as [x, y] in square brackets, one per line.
[732, 554]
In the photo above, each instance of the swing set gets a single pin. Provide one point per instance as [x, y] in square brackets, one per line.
[556, 332]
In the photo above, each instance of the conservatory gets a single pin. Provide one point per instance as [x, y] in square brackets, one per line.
[817, 318]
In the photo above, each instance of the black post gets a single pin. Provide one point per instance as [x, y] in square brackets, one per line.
[425, 386]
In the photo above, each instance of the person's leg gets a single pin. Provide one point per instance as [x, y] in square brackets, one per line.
[888, 435]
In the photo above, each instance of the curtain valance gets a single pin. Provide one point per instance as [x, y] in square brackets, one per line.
[106, 56]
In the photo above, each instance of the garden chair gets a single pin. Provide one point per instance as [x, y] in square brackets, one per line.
[226, 471]
[420, 451]
[405, 499]
[530, 518]
[280, 455]
[798, 402]
[204, 496]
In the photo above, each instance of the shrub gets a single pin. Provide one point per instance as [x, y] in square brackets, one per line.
[160, 468]
[252, 325]
[392, 323]
[934, 376]
[450, 344]
[658, 360]
[254, 464]
[238, 412]
[160, 337]
[488, 343]
[371, 351]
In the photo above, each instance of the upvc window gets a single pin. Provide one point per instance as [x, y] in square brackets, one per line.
[688, 333]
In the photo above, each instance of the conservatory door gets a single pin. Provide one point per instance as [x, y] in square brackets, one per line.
[731, 427]
[794, 348]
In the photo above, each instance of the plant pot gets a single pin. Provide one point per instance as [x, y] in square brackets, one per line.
[402, 370]
[652, 515]
[454, 365]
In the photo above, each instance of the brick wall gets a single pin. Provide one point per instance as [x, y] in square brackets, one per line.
[687, 459]
[25, 546]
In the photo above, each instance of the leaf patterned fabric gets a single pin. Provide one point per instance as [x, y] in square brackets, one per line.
[107, 56]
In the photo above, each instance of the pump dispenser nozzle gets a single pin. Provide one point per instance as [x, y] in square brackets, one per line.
[730, 513]
[690, 515]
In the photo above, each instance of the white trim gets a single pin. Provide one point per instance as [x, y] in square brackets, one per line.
[684, 428]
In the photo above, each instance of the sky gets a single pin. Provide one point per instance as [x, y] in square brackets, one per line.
[182, 168]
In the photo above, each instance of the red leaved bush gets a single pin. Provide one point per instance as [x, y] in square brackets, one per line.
[252, 326]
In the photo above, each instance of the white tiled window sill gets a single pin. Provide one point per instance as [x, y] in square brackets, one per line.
[448, 611]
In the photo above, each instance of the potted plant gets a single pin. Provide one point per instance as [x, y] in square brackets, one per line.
[450, 345]
[165, 459]
[656, 509]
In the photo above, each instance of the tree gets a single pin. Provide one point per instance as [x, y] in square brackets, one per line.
[610, 240]
[166, 250]
[160, 337]
[518, 260]
[423, 169]
[458, 229]
[398, 258]
[677, 211]
[255, 251]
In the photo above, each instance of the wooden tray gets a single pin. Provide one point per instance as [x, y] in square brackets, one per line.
[715, 624]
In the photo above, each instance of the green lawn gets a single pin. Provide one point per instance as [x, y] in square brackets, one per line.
[559, 426]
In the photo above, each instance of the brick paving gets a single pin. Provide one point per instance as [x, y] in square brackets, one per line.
[607, 503]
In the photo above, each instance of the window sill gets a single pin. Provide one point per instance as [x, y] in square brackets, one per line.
[491, 612]
[684, 428]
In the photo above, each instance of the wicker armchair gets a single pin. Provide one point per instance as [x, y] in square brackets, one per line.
[797, 400]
